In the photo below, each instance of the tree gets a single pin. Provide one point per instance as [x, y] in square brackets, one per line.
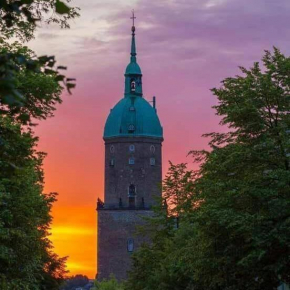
[108, 284]
[40, 92]
[74, 282]
[234, 219]
[18, 19]
[26, 259]
[245, 181]
[29, 89]
[158, 264]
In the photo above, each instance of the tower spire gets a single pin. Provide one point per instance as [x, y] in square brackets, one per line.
[133, 45]
[133, 75]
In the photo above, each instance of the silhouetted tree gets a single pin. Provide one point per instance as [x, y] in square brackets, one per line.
[74, 282]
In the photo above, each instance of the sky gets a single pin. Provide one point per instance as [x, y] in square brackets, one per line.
[184, 48]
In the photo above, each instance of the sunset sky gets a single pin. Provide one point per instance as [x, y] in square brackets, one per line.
[184, 48]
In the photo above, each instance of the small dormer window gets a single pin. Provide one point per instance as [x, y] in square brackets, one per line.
[133, 86]
[131, 128]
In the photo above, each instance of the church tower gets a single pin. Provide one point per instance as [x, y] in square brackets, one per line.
[133, 172]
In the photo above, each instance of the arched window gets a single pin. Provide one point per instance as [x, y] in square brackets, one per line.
[112, 162]
[133, 85]
[132, 195]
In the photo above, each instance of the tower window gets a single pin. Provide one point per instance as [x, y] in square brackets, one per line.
[112, 149]
[152, 149]
[132, 190]
[132, 195]
[131, 161]
[132, 148]
[133, 85]
[132, 108]
[131, 128]
[112, 162]
[130, 245]
[152, 161]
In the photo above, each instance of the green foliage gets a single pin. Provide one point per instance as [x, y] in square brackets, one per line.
[40, 91]
[234, 212]
[19, 18]
[159, 265]
[245, 181]
[18, 63]
[26, 257]
[29, 90]
[108, 284]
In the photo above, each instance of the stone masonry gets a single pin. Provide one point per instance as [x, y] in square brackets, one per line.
[115, 228]
[120, 174]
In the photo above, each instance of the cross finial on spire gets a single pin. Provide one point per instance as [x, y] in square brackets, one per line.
[133, 45]
[133, 17]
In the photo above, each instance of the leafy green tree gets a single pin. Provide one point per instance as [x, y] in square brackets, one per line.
[245, 181]
[26, 257]
[27, 260]
[234, 215]
[40, 92]
[29, 91]
[108, 284]
[18, 18]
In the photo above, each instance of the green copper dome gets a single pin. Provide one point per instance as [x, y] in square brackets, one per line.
[133, 116]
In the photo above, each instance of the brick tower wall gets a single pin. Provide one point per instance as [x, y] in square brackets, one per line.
[117, 222]
[119, 174]
[115, 227]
